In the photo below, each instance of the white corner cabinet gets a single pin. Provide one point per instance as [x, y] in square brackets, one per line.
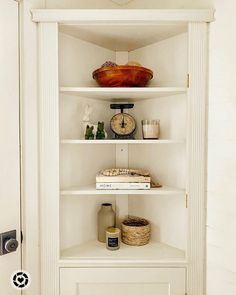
[72, 44]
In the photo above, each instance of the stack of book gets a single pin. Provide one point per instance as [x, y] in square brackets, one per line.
[123, 182]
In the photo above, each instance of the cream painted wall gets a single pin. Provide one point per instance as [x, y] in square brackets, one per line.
[80, 4]
[136, 4]
[221, 223]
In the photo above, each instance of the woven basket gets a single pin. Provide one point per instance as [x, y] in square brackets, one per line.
[135, 231]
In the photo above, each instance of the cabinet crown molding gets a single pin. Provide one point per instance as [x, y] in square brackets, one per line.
[122, 15]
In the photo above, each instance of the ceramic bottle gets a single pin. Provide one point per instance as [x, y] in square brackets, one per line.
[106, 218]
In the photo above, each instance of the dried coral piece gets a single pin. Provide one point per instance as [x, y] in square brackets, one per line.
[124, 171]
[131, 172]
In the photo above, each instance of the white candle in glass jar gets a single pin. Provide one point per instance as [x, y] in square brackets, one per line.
[113, 238]
[151, 129]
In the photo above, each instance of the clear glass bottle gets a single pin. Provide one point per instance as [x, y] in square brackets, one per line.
[106, 218]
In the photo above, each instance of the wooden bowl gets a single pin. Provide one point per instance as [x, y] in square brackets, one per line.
[123, 76]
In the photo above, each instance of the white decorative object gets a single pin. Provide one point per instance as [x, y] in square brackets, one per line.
[87, 112]
[86, 121]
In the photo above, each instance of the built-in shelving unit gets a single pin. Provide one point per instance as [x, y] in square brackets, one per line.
[72, 44]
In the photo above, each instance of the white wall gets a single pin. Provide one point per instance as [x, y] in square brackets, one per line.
[132, 4]
[221, 224]
[221, 152]
[80, 4]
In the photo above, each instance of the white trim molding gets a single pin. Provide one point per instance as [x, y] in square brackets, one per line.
[114, 16]
[196, 147]
[49, 157]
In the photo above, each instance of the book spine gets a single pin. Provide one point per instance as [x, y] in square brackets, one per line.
[122, 186]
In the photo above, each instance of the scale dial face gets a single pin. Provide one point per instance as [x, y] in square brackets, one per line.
[123, 124]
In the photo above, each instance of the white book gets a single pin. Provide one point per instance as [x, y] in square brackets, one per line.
[122, 178]
[122, 186]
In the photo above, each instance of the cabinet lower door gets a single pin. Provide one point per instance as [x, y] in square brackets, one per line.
[122, 281]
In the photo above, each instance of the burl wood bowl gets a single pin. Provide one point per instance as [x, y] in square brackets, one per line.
[123, 76]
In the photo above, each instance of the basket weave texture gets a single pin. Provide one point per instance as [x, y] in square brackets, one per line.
[135, 231]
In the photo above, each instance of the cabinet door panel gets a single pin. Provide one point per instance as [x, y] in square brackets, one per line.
[116, 281]
[120, 288]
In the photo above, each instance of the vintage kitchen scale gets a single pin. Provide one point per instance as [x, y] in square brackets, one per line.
[123, 125]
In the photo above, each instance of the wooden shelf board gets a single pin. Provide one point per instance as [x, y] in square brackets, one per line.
[123, 141]
[152, 253]
[123, 94]
[91, 190]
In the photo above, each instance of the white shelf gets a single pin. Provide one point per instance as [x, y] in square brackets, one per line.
[123, 94]
[91, 190]
[152, 253]
[121, 141]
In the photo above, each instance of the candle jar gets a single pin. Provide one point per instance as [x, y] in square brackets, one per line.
[113, 238]
[106, 218]
[151, 129]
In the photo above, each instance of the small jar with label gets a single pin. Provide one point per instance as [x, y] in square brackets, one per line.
[113, 238]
